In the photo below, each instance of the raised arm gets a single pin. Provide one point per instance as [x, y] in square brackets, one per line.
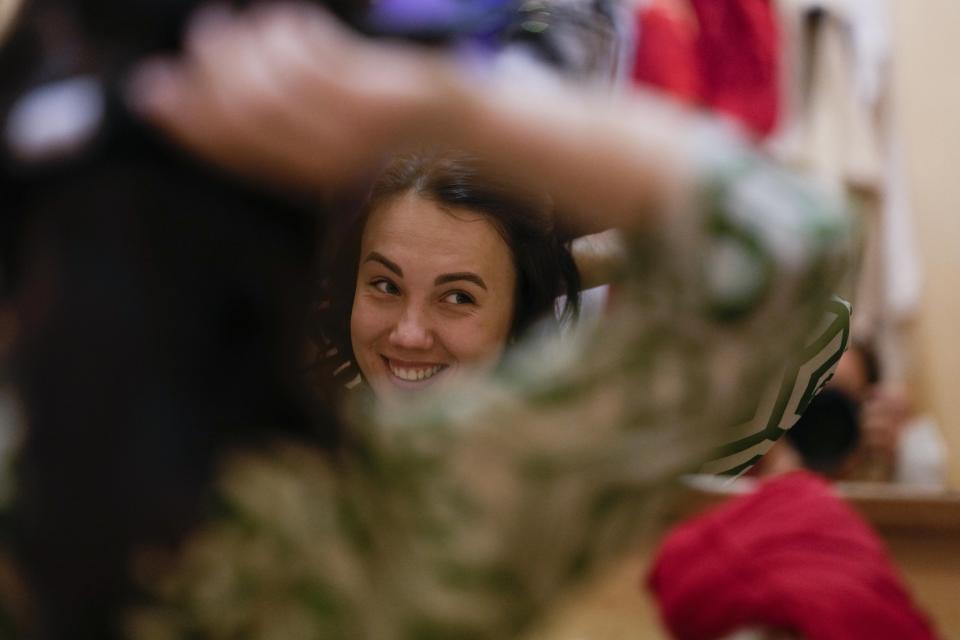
[289, 95]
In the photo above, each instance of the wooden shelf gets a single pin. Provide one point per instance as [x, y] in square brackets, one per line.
[888, 507]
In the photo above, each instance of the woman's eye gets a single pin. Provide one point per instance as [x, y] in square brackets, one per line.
[385, 286]
[459, 297]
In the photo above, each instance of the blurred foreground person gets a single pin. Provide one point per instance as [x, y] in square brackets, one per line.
[790, 560]
[898, 443]
[158, 310]
[461, 515]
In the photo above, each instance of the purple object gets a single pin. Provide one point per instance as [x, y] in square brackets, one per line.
[439, 19]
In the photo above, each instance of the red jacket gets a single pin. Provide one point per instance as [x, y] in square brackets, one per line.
[791, 556]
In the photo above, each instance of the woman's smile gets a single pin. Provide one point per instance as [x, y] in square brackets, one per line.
[418, 373]
[434, 295]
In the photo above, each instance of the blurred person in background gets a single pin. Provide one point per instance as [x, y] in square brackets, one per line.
[861, 428]
[459, 516]
[824, 440]
[897, 443]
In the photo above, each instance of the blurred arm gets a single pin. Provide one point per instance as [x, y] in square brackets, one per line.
[288, 95]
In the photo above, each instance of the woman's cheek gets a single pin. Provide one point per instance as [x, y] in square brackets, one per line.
[365, 321]
[476, 340]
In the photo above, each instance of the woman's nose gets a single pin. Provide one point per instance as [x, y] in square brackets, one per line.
[412, 330]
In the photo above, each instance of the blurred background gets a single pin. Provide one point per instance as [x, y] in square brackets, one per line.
[868, 101]
[926, 106]
[879, 116]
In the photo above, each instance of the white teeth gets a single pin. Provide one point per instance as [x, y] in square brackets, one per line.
[415, 375]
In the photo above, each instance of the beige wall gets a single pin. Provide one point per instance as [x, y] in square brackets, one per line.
[928, 111]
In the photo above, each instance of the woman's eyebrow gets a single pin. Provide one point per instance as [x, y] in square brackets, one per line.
[389, 264]
[463, 275]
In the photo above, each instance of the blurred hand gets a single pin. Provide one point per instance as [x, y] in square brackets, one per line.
[285, 93]
[884, 415]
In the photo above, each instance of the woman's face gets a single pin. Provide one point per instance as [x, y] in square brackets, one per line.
[434, 295]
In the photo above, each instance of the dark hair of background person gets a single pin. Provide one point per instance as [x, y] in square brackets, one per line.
[544, 265]
[827, 433]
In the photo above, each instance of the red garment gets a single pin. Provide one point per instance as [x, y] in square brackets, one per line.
[791, 556]
[666, 54]
[726, 59]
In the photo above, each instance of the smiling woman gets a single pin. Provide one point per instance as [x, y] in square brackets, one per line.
[444, 267]
[435, 291]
